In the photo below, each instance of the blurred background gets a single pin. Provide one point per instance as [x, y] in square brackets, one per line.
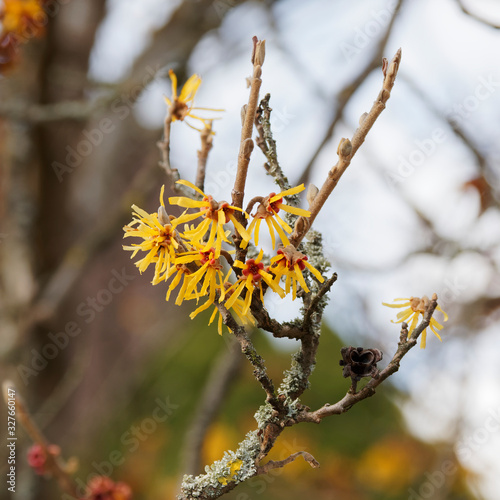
[125, 381]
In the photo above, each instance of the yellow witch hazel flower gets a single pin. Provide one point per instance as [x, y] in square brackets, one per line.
[215, 216]
[181, 106]
[268, 210]
[290, 263]
[252, 275]
[209, 275]
[414, 307]
[159, 240]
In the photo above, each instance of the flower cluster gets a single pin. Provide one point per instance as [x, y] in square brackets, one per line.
[192, 251]
[268, 209]
[192, 257]
[20, 20]
[416, 306]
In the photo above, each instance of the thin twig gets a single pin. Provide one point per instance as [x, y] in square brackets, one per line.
[246, 143]
[325, 288]
[347, 148]
[247, 348]
[267, 144]
[206, 136]
[345, 94]
[164, 147]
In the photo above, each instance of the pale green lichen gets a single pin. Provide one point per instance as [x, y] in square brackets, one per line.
[235, 466]
[313, 248]
[264, 415]
[294, 378]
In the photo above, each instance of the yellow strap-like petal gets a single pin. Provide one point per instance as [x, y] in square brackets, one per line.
[190, 88]
[272, 284]
[300, 278]
[295, 210]
[396, 305]
[271, 231]
[314, 271]
[192, 186]
[173, 78]
[413, 324]
[436, 333]
[288, 192]
[197, 311]
[406, 315]
[444, 314]
[182, 201]
[282, 223]
[219, 325]
[162, 191]
[259, 257]
[281, 233]
[243, 232]
[229, 303]
[423, 339]
[437, 325]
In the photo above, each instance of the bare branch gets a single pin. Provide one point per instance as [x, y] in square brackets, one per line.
[347, 148]
[247, 348]
[350, 89]
[267, 144]
[206, 136]
[325, 288]
[246, 143]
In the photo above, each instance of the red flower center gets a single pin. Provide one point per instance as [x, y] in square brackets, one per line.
[179, 110]
[274, 206]
[253, 268]
[208, 256]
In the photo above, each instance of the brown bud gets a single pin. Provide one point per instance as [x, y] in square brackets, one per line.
[385, 63]
[312, 192]
[163, 217]
[260, 53]
[345, 148]
[247, 147]
[359, 362]
[393, 67]
[243, 113]
[362, 118]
